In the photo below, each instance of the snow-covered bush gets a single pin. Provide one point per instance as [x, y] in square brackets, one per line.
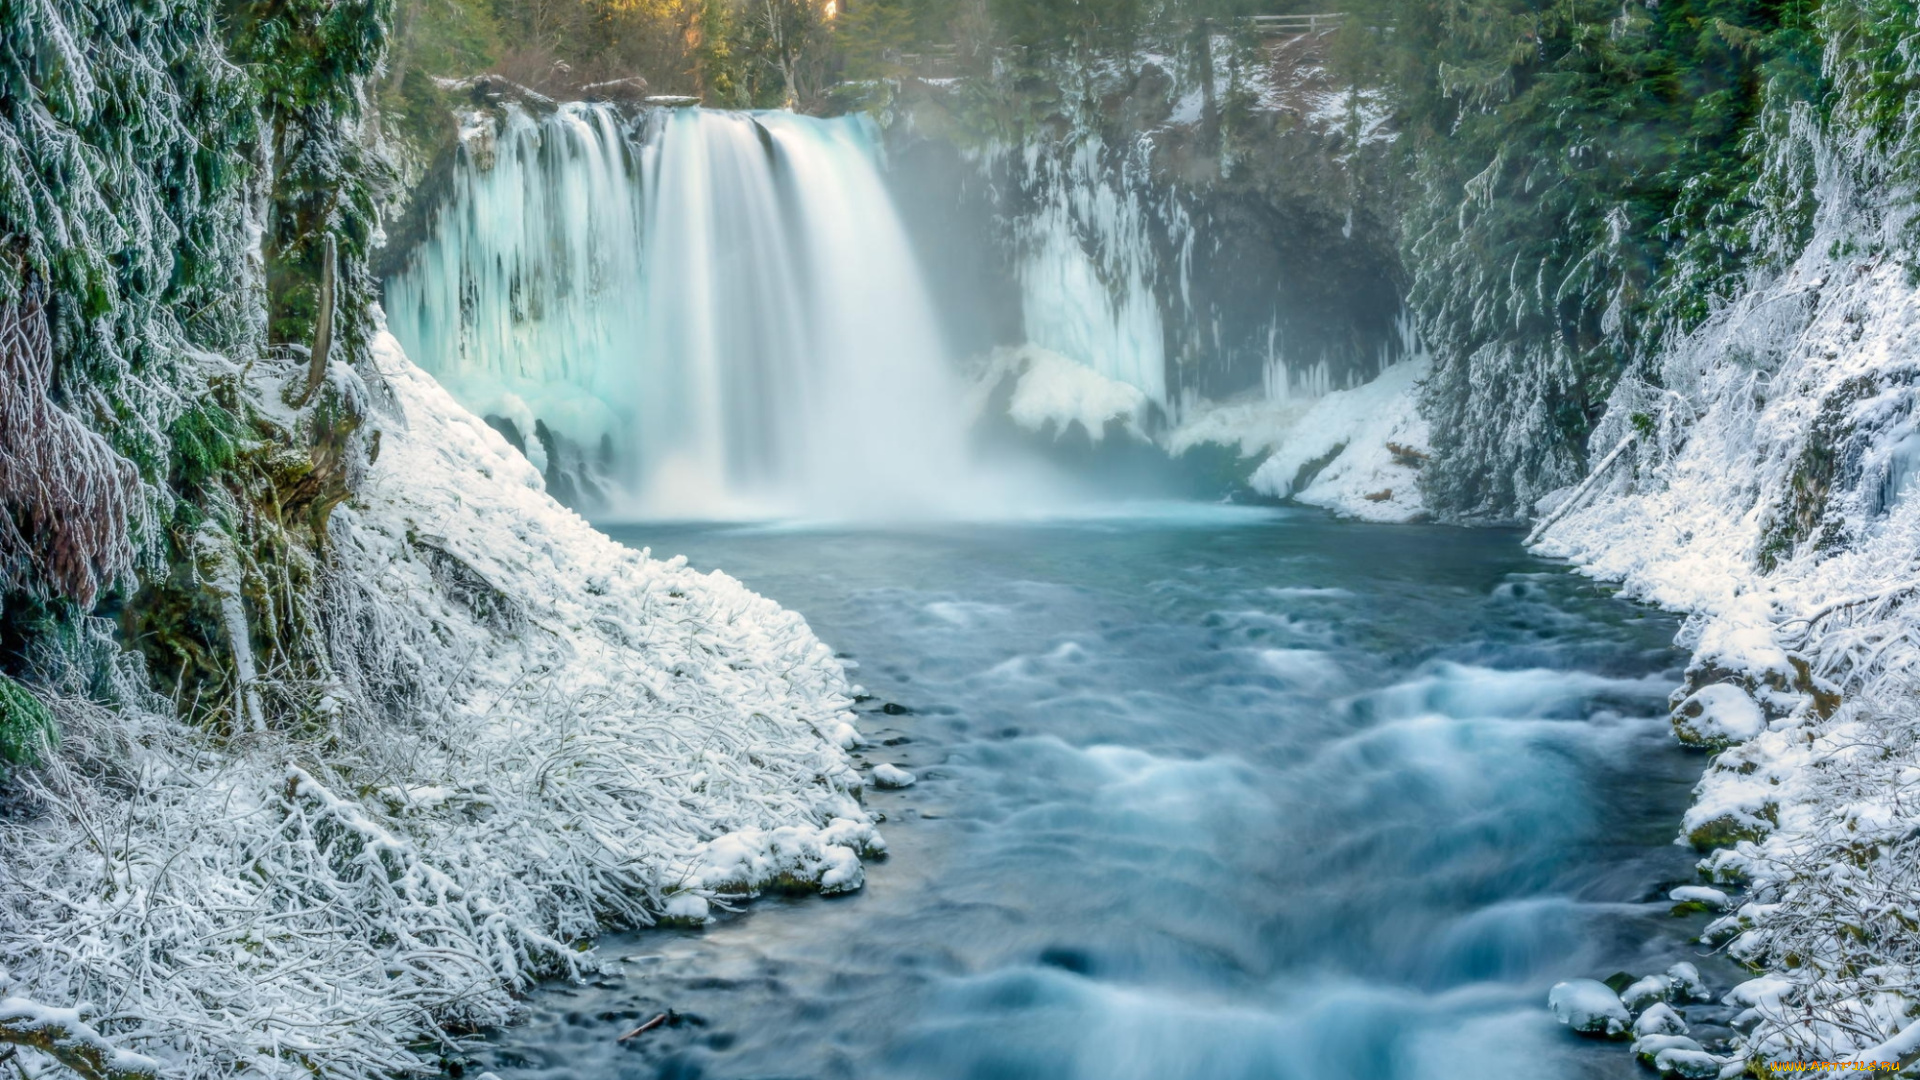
[573, 735]
[400, 733]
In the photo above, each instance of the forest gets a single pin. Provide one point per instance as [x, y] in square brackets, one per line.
[1110, 385]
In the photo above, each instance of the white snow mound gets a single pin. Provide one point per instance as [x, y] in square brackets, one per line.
[1369, 444]
[1589, 1007]
[1719, 714]
[892, 776]
[1054, 393]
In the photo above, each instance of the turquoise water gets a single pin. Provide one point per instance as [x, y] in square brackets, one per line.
[1209, 793]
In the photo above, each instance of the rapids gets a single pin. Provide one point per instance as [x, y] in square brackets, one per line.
[1203, 793]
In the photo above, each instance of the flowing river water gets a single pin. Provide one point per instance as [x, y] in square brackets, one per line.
[1208, 793]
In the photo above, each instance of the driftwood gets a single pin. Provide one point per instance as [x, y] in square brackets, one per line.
[322, 325]
[644, 1028]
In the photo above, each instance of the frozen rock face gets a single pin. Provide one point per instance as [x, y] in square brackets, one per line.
[1194, 238]
[1220, 248]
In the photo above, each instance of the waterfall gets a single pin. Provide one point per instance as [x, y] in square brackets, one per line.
[719, 312]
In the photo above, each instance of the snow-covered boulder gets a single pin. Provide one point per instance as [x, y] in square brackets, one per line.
[750, 861]
[1659, 1019]
[686, 909]
[1688, 1064]
[1687, 983]
[1357, 452]
[1649, 1047]
[1718, 715]
[1650, 990]
[892, 776]
[1700, 896]
[1589, 1007]
[1740, 648]
[1759, 998]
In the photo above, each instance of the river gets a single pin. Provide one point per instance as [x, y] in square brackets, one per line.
[1203, 792]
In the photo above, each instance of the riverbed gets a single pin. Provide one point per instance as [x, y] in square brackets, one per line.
[1202, 792]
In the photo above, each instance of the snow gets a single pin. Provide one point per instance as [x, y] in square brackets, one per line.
[1646, 991]
[1648, 1047]
[892, 776]
[748, 861]
[1688, 1064]
[1718, 714]
[1357, 432]
[1687, 982]
[1299, 81]
[534, 733]
[1700, 894]
[1769, 496]
[78, 1042]
[1253, 427]
[1658, 1019]
[1054, 393]
[1589, 1007]
[687, 907]
[1905, 1044]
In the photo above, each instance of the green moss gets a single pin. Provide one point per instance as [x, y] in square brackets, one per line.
[1726, 831]
[207, 443]
[26, 726]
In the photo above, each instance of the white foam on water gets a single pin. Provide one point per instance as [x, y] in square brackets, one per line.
[1462, 690]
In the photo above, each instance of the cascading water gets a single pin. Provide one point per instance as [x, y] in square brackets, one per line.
[721, 308]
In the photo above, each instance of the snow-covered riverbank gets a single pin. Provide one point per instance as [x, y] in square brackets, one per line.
[1768, 494]
[575, 736]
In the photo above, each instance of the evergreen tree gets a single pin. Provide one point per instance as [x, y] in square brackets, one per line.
[1571, 159]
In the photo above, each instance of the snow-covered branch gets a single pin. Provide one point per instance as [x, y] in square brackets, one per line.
[63, 1036]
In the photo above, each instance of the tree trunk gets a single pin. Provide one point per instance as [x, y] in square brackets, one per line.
[322, 325]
